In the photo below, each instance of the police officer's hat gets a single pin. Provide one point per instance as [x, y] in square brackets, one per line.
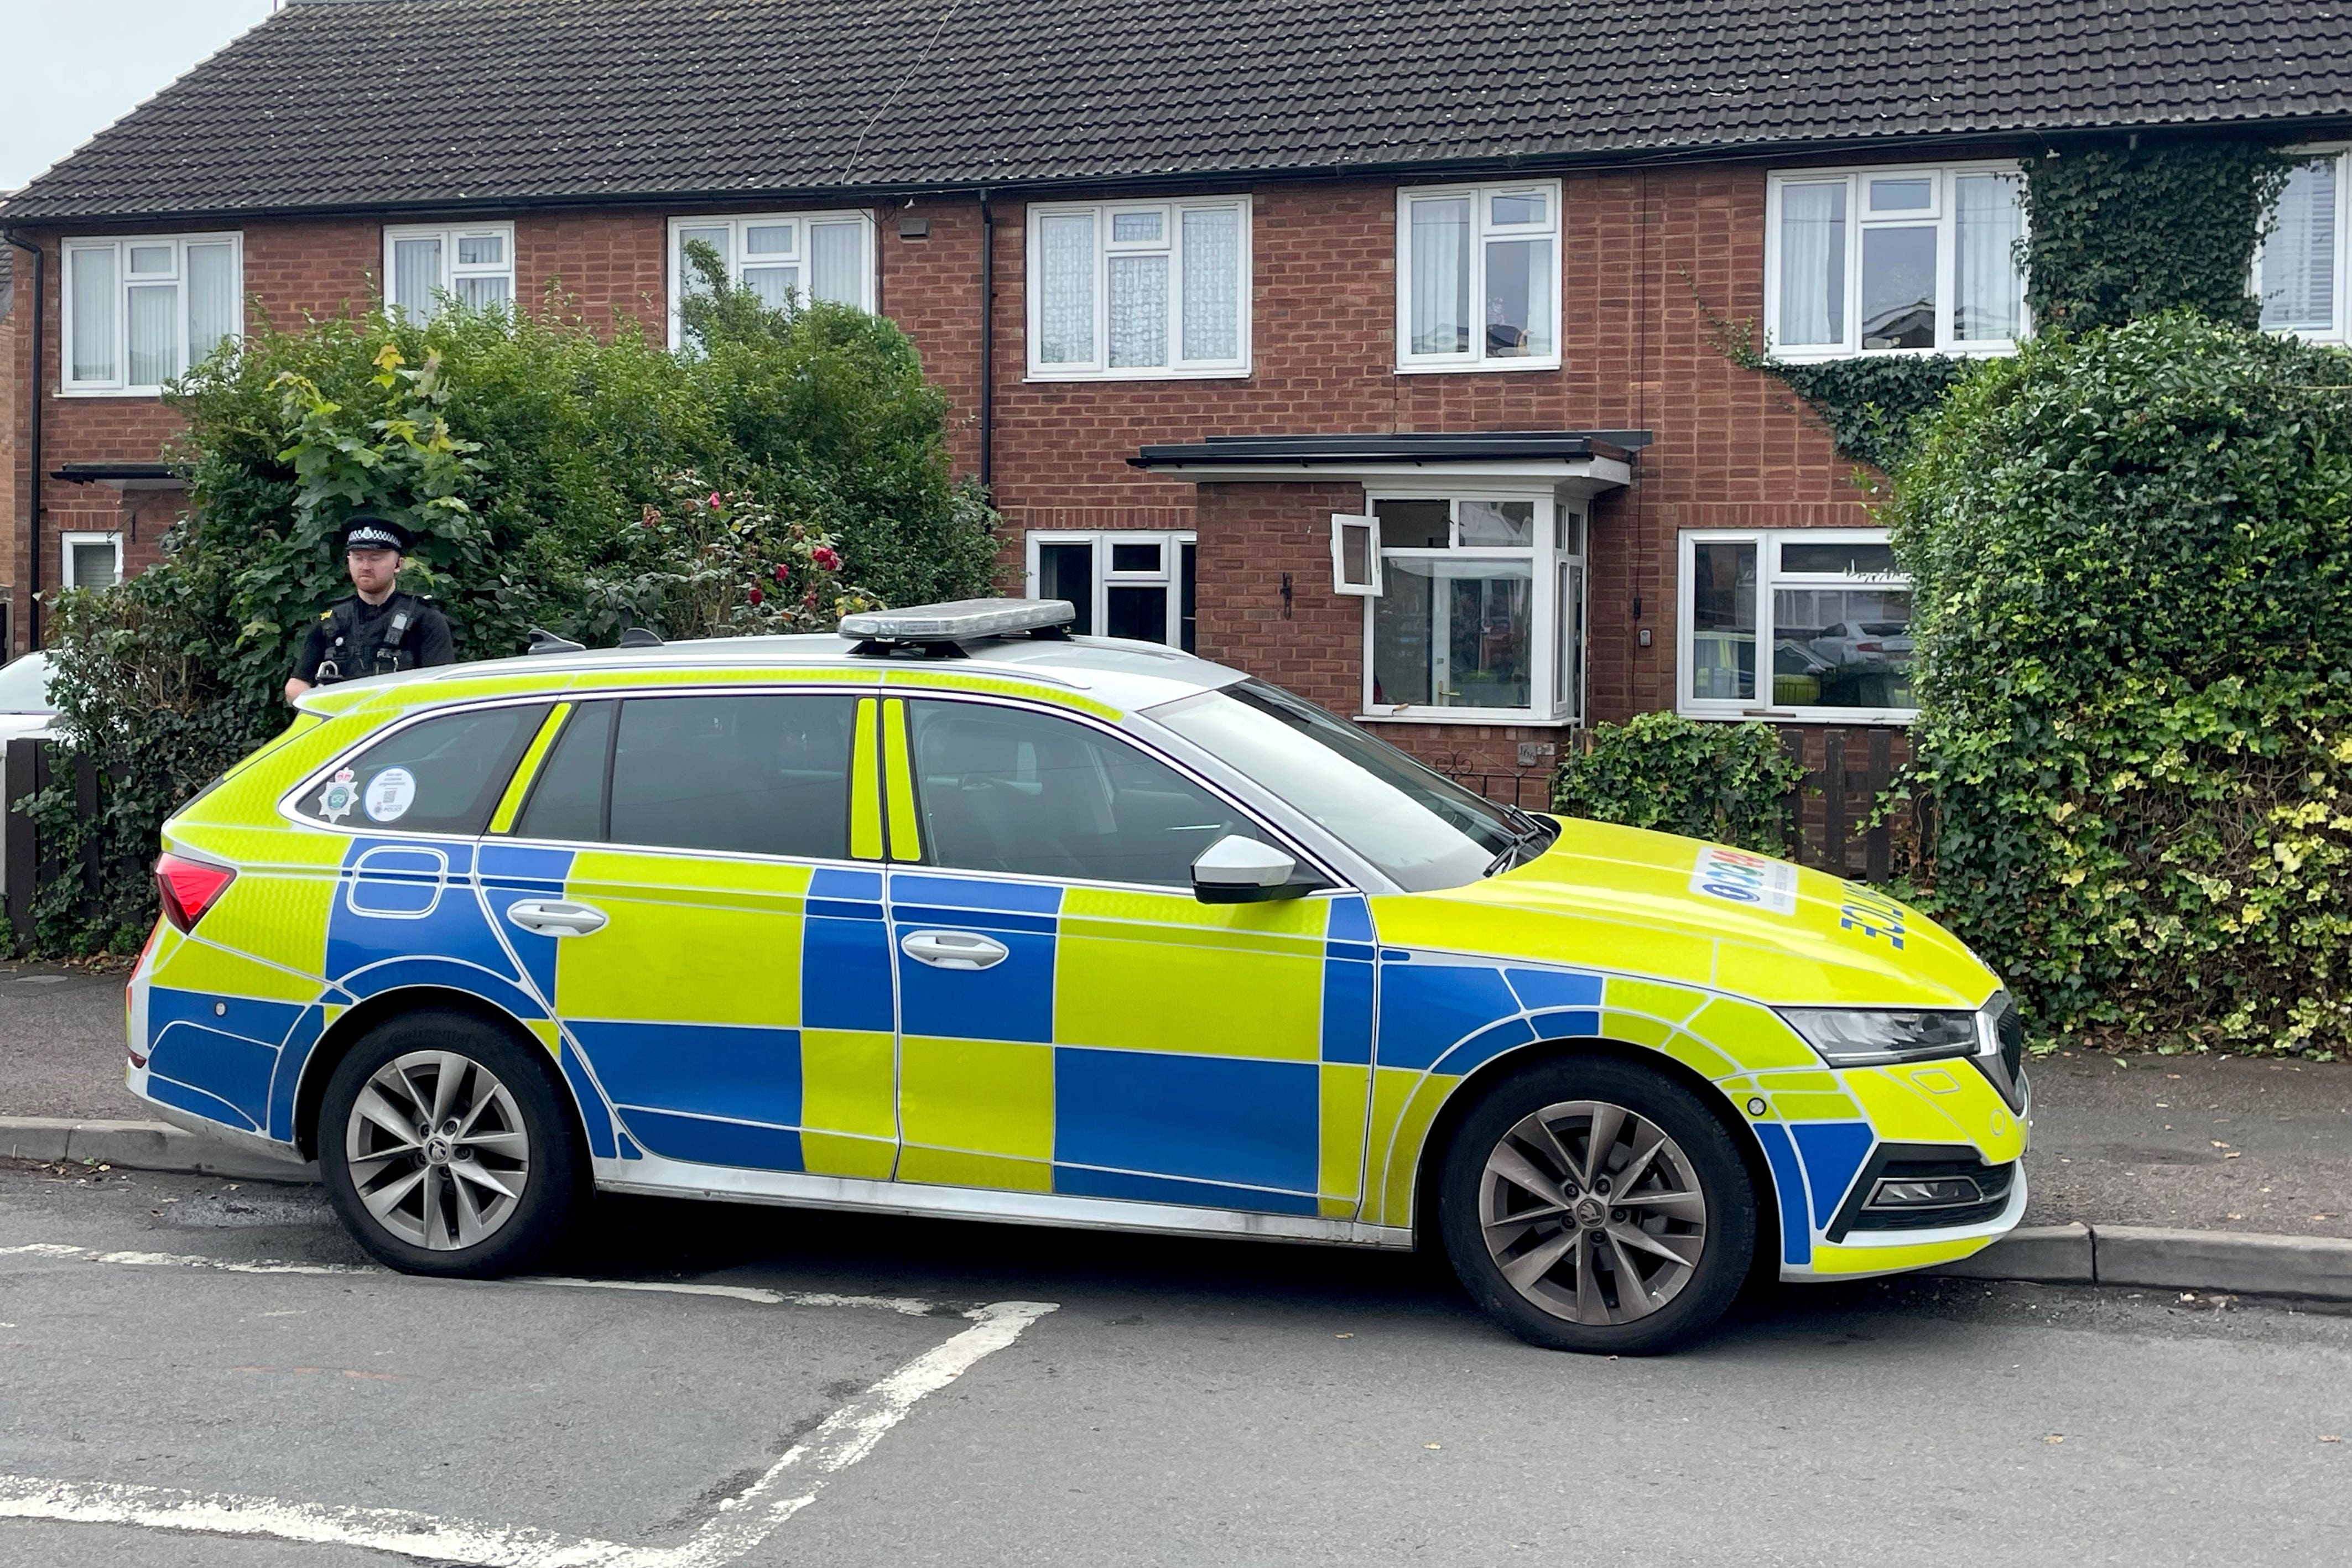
[365, 531]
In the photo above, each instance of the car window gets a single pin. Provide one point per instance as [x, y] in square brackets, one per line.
[1002, 790]
[761, 773]
[443, 775]
[567, 798]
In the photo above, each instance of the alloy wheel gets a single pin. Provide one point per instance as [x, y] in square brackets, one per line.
[1591, 1212]
[438, 1150]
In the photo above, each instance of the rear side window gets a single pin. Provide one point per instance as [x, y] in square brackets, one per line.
[762, 773]
[441, 775]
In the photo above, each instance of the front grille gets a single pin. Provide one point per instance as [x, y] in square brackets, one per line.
[1993, 1182]
[2005, 1069]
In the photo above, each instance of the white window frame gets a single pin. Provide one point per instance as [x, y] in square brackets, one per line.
[1482, 229]
[1858, 218]
[451, 269]
[1170, 245]
[2339, 329]
[799, 256]
[1551, 703]
[65, 543]
[120, 246]
[1173, 543]
[1768, 542]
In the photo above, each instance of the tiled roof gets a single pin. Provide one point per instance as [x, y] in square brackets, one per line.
[417, 103]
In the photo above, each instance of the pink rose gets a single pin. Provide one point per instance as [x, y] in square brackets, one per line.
[757, 597]
[714, 500]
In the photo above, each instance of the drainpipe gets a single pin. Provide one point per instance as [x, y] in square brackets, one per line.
[33, 387]
[987, 346]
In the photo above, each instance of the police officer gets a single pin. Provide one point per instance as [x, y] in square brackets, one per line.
[378, 629]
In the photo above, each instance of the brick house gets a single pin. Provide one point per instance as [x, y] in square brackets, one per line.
[1375, 349]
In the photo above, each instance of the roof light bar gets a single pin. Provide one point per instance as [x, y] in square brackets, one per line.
[960, 621]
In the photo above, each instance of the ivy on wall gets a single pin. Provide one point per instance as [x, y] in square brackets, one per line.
[2115, 232]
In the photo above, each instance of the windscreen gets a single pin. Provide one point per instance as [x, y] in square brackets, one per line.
[1418, 826]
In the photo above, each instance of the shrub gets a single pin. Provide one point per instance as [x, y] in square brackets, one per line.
[790, 468]
[1728, 783]
[2134, 588]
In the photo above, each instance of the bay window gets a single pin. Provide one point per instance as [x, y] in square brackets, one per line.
[474, 265]
[780, 256]
[1123, 582]
[1866, 261]
[1478, 277]
[1473, 605]
[2300, 272]
[1800, 623]
[141, 309]
[1131, 290]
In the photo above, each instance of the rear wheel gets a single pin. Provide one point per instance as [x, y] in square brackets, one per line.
[446, 1149]
[1596, 1205]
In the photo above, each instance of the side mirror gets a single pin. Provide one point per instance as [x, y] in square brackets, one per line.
[1235, 870]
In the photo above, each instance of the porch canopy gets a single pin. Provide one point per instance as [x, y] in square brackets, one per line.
[1580, 461]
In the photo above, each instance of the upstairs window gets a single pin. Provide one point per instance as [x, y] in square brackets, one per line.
[2300, 273]
[141, 309]
[1135, 289]
[1479, 277]
[783, 257]
[1870, 261]
[474, 265]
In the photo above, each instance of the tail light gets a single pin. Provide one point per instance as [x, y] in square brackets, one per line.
[1870, 647]
[188, 888]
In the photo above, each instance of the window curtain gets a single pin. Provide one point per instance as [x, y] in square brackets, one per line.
[1441, 275]
[1138, 311]
[480, 292]
[1812, 264]
[92, 303]
[213, 306]
[415, 274]
[836, 260]
[775, 285]
[1212, 284]
[1066, 280]
[2298, 266]
[155, 334]
[1990, 293]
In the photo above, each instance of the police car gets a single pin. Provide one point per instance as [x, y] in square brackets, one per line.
[957, 915]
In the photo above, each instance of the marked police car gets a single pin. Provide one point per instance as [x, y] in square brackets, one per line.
[957, 915]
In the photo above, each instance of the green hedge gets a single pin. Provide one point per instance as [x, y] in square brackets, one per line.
[1728, 783]
[2132, 560]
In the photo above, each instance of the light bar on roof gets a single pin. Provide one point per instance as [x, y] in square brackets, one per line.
[958, 622]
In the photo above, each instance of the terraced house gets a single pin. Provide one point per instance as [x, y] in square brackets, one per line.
[1377, 348]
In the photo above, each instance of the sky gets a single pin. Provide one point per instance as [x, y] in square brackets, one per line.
[78, 66]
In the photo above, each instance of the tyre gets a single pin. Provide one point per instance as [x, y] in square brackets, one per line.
[446, 1148]
[1596, 1206]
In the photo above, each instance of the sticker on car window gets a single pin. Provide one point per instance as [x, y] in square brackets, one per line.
[1739, 877]
[335, 801]
[390, 794]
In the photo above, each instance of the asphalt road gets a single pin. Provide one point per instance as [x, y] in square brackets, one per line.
[1184, 1403]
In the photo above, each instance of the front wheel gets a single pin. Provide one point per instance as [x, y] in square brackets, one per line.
[1596, 1206]
[445, 1150]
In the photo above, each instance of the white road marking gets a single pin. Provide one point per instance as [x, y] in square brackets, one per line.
[741, 1522]
[910, 1305]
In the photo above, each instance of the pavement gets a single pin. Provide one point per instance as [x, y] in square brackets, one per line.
[202, 1373]
[2136, 1161]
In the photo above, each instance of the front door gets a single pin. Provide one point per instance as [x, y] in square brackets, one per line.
[720, 952]
[1072, 1020]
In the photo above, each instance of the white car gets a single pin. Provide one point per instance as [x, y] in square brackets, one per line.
[26, 706]
[1865, 644]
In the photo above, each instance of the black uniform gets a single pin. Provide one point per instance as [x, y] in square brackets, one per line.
[353, 638]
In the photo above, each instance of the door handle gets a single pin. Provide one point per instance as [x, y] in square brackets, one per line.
[954, 949]
[551, 918]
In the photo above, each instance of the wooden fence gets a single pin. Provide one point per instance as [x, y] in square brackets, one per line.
[1847, 769]
[25, 866]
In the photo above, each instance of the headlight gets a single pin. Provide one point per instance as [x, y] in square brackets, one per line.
[1861, 1037]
